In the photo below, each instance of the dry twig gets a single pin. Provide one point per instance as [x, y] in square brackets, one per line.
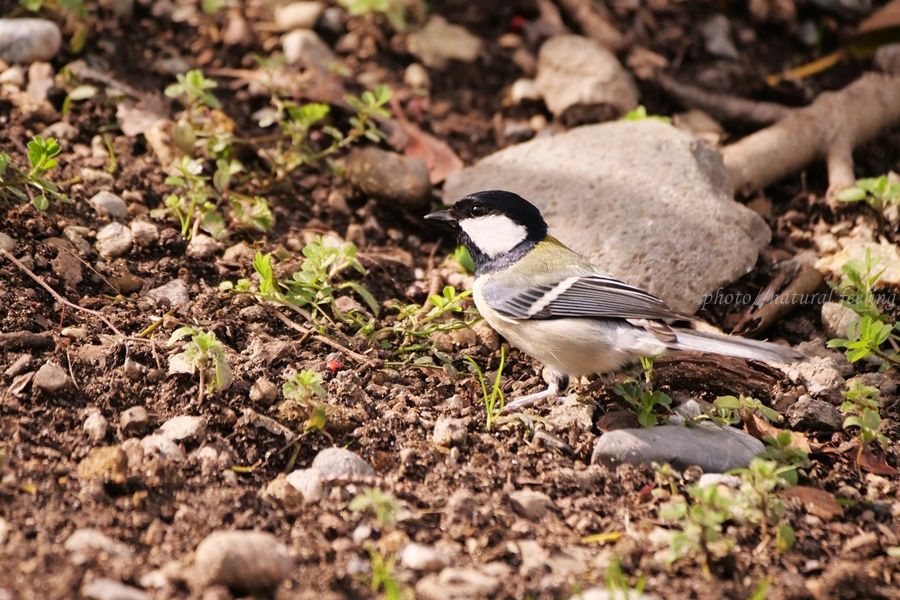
[594, 23]
[723, 106]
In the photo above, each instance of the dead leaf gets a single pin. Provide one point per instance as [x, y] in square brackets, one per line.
[442, 161]
[135, 119]
[816, 502]
[874, 464]
[760, 427]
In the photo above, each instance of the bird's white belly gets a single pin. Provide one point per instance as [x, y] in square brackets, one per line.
[573, 346]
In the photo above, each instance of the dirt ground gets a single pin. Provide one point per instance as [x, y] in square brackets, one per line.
[454, 498]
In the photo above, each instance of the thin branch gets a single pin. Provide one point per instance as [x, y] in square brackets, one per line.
[56, 295]
[594, 23]
[723, 106]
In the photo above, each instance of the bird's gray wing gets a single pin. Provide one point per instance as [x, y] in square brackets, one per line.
[594, 295]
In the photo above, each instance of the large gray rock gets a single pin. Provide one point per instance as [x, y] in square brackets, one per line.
[640, 199]
[714, 449]
[577, 71]
[28, 40]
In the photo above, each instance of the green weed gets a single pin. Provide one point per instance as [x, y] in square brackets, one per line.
[206, 355]
[32, 183]
[877, 192]
[494, 402]
[641, 396]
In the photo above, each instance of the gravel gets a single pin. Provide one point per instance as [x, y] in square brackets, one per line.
[113, 240]
[108, 204]
[51, 378]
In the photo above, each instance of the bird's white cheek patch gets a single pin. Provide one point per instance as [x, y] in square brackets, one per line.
[494, 234]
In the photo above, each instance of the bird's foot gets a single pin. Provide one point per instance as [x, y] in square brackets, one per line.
[556, 384]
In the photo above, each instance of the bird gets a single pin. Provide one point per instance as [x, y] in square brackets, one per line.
[569, 315]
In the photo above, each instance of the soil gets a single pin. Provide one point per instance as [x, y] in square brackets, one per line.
[457, 497]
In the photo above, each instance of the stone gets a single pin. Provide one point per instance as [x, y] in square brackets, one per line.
[7, 243]
[144, 234]
[450, 432]
[202, 246]
[162, 447]
[714, 449]
[530, 503]
[308, 482]
[113, 240]
[887, 58]
[439, 42]
[570, 414]
[28, 40]
[710, 479]
[462, 582]
[91, 541]
[184, 428]
[819, 374]
[854, 247]
[420, 557]
[810, 413]
[95, 425]
[109, 589]
[402, 181]
[134, 420]
[50, 378]
[640, 199]
[15, 76]
[303, 46]
[522, 90]
[716, 32]
[416, 77]
[339, 462]
[107, 204]
[175, 293]
[68, 268]
[837, 319]
[280, 490]
[263, 391]
[249, 561]
[576, 71]
[298, 15]
[106, 463]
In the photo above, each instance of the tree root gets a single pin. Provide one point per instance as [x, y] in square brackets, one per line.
[831, 127]
[594, 23]
[723, 106]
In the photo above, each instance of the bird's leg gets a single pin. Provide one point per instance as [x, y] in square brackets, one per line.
[556, 384]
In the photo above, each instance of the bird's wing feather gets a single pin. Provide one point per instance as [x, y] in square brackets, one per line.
[593, 295]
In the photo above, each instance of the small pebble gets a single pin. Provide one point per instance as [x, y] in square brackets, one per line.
[95, 425]
[89, 541]
[263, 391]
[401, 181]
[50, 378]
[109, 589]
[298, 15]
[449, 432]
[419, 557]
[7, 243]
[202, 246]
[144, 234]
[175, 293]
[250, 561]
[113, 240]
[28, 40]
[340, 462]
[134, 420]
[530, 504]
[184, 428]
[106, 463]
[416, 77]
[107, 204]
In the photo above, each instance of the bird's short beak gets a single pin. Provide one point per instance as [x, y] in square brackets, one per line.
[443, 216]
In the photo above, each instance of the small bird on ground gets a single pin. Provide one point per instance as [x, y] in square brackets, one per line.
[557, 307]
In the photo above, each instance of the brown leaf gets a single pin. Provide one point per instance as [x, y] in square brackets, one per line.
[760, 427]
[442, 161]
[874, 464]
[816, 502]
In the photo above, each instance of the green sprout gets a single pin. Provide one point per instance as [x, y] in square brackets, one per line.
[781, 450]
[298, 123]
[383, 578]
[641, 396]
[192, 90]
[381, 504]
[640, 114]
[877, 192]
[874, 334]
[393, 10]
[415, 325]
[32, 183]
[206, 355]
[730, 410]
[862, 405]
[303, 386]
[494, 402]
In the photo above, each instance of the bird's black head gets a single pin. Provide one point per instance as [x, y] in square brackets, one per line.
[497, 227]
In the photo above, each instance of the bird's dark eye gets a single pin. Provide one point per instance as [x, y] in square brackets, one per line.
[478, 210]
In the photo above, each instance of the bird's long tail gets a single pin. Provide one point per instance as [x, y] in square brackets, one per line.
[698, 341]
